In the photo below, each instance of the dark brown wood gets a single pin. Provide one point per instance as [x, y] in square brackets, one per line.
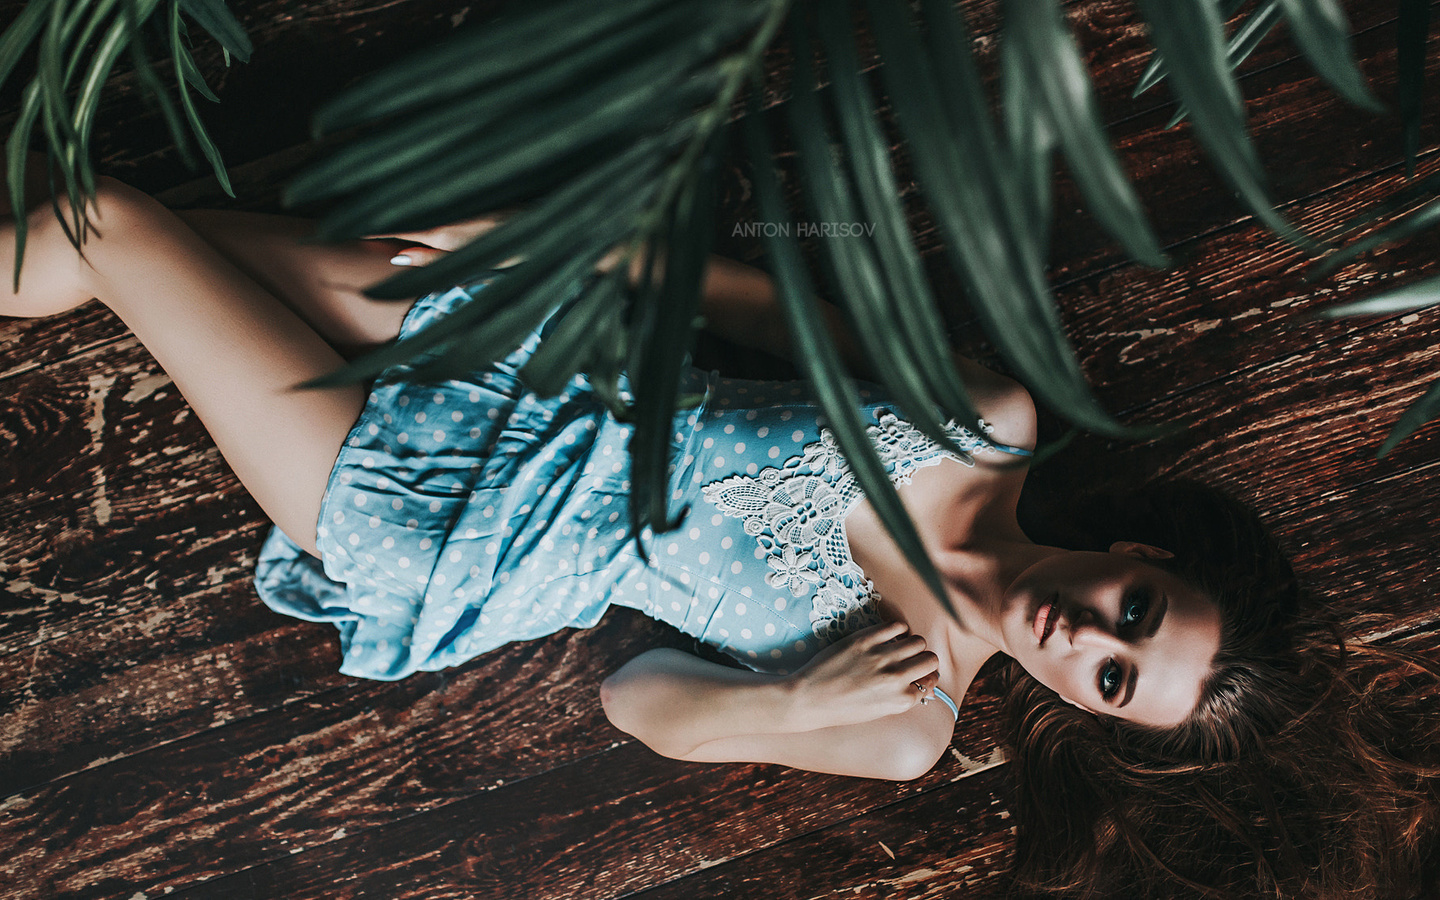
[549, 845]
[162, 734]
[950, 842]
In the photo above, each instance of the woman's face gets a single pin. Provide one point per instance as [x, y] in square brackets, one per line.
[1113, 634]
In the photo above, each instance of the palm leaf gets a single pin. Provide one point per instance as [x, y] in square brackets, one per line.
[17, 149]
[515, 306]
[981, 213]
[185, 65]
[21, 34]
[1256, 28]
[150, 82]
[656, 52]
[569, 348]
[1060, 83]
[1155, 72]
[1415, 222]
[1411, 31]
[820, 360]
[1423, 410]
[1030, 139]
[525, 287]
[82, 39]
[851, 259]
[1415, 296]
[1189, 35]
[592, 195]
[220, 23]
[540, 36]
[493, 147]
[911, 306]
[666, 322]
[1321, 30]
[1397, 202]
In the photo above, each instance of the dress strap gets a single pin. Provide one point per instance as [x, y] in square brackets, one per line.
[1013, 451]
[945, 698]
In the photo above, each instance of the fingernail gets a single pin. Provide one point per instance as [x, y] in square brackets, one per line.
[402, 259]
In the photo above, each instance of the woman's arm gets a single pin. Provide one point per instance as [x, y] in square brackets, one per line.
[740, 304]
[853, 710]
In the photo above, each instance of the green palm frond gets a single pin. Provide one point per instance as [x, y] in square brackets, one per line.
[1422, 411]
[1189, 36]
[852, 262]
[820, 359]
[1323, 35]
[606, 122]
[1411, 297]
[1048, 60]
[603, 122]
[944, 116]
[1412, 28]
[1408, 225]
[1257, 24]
[1256, 27]
[77, 43]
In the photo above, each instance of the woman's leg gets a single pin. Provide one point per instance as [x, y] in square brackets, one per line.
[233, 349]
[323, 283]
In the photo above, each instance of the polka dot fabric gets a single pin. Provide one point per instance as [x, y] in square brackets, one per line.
[466, 514]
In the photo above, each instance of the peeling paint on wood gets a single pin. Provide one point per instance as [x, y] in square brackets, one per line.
[161, 734]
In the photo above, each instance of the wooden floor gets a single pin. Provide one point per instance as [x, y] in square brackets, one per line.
[163, 734]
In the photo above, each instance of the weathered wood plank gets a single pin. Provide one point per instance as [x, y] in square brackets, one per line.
[1240, 301]
[355, 759]
[354, 756]
[949, 842]
[216, 771]
[570, 834]
[116, 607]
[114, 496]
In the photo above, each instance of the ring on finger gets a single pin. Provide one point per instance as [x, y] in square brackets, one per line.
[922, 689]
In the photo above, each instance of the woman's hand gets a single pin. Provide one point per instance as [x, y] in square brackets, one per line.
[881, 671]
[426, 246]
[432, 243]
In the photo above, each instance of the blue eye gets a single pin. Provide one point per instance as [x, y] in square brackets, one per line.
[1134, 607]
[1110, 676]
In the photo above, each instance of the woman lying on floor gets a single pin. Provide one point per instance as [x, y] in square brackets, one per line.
[1168, 702]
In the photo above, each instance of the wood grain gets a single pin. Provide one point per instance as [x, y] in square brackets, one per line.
[161, 733]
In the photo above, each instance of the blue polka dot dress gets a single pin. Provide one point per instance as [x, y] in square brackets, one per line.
[466, 514]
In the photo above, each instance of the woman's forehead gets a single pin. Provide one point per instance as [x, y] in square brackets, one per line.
[1171, 667]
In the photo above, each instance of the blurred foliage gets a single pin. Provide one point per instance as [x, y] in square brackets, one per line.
[606, 124]
[75, 46]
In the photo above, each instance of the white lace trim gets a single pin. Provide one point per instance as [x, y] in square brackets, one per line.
[796, 512]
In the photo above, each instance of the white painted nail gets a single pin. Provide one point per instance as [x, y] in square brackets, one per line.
[402, 260]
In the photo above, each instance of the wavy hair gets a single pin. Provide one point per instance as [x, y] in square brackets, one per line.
[1310, 766]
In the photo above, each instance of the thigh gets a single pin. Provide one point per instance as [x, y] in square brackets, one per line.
[234, 349]
[323, 282]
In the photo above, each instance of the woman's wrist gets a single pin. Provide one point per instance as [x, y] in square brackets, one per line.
[799, 709]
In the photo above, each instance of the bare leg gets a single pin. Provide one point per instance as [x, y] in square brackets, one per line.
[323, 283]
[233, 349]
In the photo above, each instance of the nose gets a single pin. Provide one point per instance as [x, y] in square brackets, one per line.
[1087, 633]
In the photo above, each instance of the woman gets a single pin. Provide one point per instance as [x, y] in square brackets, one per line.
[463, 515]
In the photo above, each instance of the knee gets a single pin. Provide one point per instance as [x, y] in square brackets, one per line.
[120, 209]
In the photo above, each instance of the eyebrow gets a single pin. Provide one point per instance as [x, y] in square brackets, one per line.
[1155, 620]
[1129, 687]
[1159, 616]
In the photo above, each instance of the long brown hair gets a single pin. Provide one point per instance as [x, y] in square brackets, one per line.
[1309, 768]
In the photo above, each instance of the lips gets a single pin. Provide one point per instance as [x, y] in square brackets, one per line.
[1044, 624]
